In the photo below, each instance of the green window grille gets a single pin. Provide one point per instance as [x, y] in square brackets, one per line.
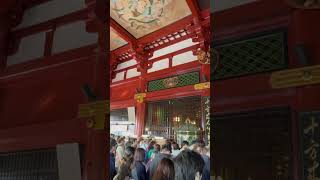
[175, 81]
[264, 53]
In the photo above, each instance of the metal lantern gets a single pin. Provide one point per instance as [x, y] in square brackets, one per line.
[188, 132]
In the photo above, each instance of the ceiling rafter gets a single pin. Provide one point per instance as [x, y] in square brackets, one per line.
[123, 33]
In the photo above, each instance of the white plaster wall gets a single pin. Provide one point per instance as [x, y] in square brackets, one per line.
[220, 5]
[133, 73]
[72, 36]
[30, 48]
[50, 10]
[159, 65]
[126, 64]
[119, 77]
[68, 156]
[172, 48]
[183, 58]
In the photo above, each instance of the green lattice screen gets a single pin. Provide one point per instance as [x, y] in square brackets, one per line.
[252, 55]
[182, 80]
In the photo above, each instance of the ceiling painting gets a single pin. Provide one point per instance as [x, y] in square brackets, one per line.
[142, 17]
[115, 40]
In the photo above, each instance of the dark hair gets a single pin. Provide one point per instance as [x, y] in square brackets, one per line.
[113, 143]
[201, 143]
[139, 155]
[129, 152]
[150, 146]
[175, 146]
[156, 148]
[185, 143]
[167, 147]
[165, 170]
[187, 164]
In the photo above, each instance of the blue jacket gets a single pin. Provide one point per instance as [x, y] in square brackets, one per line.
[112, 166]
[139, 172]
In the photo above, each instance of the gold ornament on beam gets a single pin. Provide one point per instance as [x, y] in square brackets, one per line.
[203, 56]
[95, 112]
[202, 86]
[296, 77]
[170, 82]
[140, 97]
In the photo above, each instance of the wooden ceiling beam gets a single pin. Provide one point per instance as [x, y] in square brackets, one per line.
[196, 12]
[123, 33]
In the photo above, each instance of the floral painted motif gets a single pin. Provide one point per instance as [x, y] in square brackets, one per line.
[141, 17]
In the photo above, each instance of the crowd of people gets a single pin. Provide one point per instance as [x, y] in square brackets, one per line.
[145, 159]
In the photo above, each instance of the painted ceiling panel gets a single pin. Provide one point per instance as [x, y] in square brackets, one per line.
[115, 40]
[141, 17]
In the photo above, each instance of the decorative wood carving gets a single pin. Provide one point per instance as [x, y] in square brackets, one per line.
[140, 97]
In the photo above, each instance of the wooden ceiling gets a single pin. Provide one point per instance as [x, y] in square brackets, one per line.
[144, 16]
[133, 20]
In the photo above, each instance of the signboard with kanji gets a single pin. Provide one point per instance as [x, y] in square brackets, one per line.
[310, 140]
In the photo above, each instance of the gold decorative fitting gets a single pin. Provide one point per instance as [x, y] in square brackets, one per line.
[203, 57]
[171, 82]
[296, 77]
[95, 112]
[140, 97]
[202, 86]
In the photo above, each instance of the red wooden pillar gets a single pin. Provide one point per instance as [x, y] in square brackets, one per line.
[142, 88]
[97, 142]
[97, 153]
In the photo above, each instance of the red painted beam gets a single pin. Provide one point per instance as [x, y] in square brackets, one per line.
[53, 23]
[194, 9]
[173, 93]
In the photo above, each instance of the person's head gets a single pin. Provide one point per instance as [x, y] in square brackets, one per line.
[194, 147]
[184, 143]
[113, 144]
[188, 165]
[165, 170]
[175, 146]
[121, 141]
[166, 149]
[202, 150]
[156, 148]
[201, 143]
[151, 144]
[139, 155]
[129, 153]
[139, 139]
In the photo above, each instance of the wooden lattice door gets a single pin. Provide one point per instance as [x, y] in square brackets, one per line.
[164, 117]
